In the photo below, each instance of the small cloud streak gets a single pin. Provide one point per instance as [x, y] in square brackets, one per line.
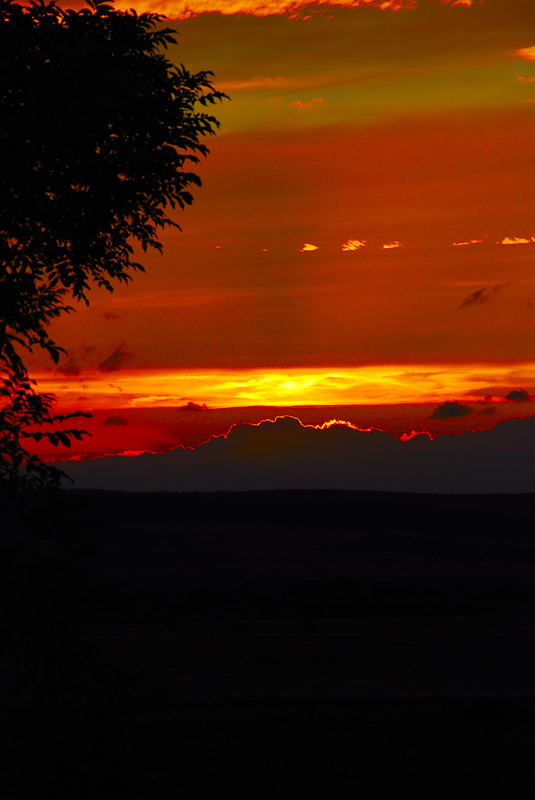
[451, 409]
[480, 296]
[467, 243]
[526, 52]
[281, 82]
[353, 244]
[308, 248]
[517, 240]
[316, 101]
[391, 245]
[114, 421]
[524, 79]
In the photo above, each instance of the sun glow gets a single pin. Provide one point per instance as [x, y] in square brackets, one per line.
[285, 386]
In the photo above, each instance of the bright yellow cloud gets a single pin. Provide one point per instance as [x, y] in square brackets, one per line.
[391, 245]
[308, 248]
[517, 240]
[353, 244]
[468, 242]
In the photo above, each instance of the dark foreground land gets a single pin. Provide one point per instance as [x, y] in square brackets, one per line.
[269, 643]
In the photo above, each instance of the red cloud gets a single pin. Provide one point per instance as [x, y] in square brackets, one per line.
[527, 52]
[308, 103]
[468, 242]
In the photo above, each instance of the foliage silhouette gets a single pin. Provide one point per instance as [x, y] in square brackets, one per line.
[99, 130]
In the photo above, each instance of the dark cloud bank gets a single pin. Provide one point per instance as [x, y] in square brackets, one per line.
[114, 421]
[285, 455]
[115, 361]
[451, 409]
[518, 395]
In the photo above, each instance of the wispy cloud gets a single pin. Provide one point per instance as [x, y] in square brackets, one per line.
[466, 243]
[184, 9]
[280, 82]
[308, 248]
[316, 101]
[526, 52]
[289, 84]
[391, 245]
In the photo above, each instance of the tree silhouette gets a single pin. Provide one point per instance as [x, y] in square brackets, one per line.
[98, 130]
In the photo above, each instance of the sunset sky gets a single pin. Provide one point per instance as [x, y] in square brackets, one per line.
[364, 237]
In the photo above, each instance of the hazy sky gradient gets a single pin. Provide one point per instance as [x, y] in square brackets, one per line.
[345, 124]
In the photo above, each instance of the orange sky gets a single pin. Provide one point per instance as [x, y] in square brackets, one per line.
[368, 202]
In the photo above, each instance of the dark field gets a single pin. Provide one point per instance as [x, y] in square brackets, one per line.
[269, 643]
